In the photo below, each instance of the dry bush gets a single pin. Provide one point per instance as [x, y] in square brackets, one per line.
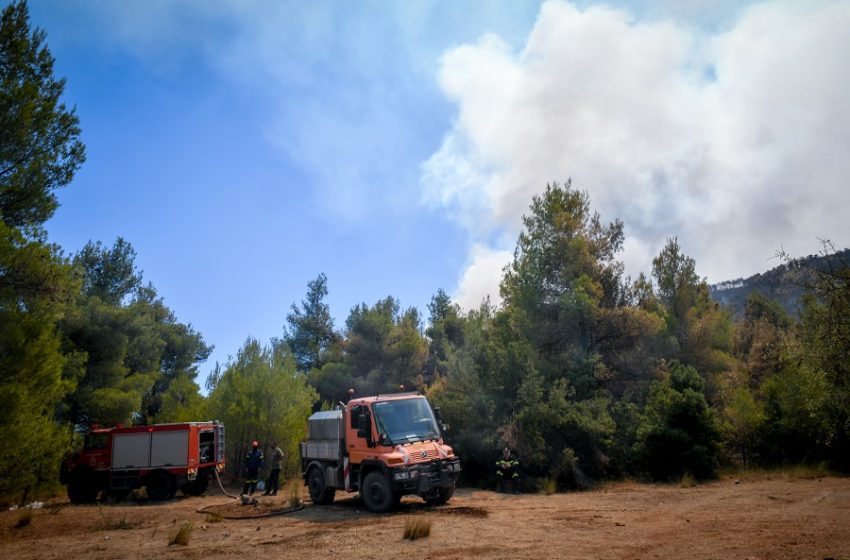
[181, 535]
[293, 493]
[122, 524]
[213, 518]
[109, 523]
[805, 472]
[550, 486]
[687, 481]
[417, 528]
[25, 517]
[788, 473]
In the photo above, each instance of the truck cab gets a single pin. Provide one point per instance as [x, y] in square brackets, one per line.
[383, 447]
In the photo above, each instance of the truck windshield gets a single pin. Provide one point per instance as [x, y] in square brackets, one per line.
[95, 441]
[405, 421]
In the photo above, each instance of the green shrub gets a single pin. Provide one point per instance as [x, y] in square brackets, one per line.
[678, 433]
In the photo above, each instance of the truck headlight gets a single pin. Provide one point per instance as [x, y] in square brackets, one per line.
[401, 475]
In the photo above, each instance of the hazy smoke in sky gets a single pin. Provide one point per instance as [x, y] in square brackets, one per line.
[736, 142]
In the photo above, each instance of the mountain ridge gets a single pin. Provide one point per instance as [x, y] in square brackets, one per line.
[784, 284]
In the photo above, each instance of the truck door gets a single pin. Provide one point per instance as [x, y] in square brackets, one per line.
[357, 439]
[206, 450]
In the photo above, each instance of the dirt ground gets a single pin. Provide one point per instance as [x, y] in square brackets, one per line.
[728, 519]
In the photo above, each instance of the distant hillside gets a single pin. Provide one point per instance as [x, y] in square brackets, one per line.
[783, 284]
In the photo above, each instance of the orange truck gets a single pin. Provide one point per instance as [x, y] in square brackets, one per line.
[163, 458]
[383, 447]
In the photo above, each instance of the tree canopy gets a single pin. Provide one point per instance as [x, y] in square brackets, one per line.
[40, 148]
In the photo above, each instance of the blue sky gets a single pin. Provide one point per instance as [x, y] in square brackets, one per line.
[244, 147]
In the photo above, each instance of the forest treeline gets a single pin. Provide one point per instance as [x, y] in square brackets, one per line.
[587, 373]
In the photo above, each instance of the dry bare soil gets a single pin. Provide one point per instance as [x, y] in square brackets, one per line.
[728, 519]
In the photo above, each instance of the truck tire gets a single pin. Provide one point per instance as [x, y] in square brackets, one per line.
[160, 486]
[319, 491]
[377, 493]
[81, 490]
[440, 497]
[197, 487]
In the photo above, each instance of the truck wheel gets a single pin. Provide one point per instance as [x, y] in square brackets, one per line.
[81, 490]
[440, 497]
[197, 487]
[160, 486]
[319, 492]
[377, 493]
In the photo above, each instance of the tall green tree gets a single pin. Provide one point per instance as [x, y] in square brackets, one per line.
[36, 286]
[182, 401]
[469, 396]
[261, 396]
[698, 330]
[565, 333]
[382, 348]
[445, 333]
[564, 290]
[826, 341]
[310, 329]
[109, 273]
[133, 345]
[40, 147]
[764, 347]
[39, 151]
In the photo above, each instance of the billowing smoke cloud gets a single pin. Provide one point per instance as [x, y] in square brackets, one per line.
[734, 141]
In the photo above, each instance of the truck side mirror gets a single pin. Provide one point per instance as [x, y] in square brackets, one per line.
[439, 417]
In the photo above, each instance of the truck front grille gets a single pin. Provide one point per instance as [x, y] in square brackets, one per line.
[423, 455]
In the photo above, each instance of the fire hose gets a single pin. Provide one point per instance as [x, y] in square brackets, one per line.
[272, 513]
[221, 486]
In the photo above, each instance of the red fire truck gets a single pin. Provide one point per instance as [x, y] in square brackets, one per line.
[163, 458]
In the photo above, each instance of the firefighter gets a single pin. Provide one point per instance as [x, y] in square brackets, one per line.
[253, 462]
[507, 471]
[274, 475]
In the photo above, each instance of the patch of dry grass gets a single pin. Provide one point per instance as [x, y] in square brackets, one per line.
[787, 473]
[549, 486]
[213, 518]
[687, 481]
[181, 535]
[25, 517]
[109, 523]
[293, 493]
[417, 528]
